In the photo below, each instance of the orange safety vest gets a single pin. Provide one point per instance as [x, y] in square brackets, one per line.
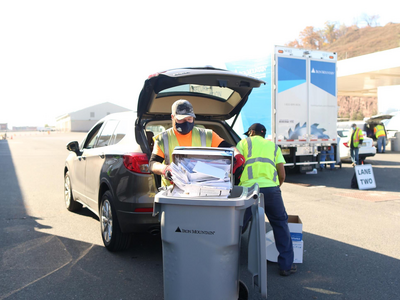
[167, 142]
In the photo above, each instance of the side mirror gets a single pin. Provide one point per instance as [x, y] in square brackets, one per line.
[74, 147]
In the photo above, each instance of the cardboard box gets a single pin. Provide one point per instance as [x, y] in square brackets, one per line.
[296, 232]
[272, 252]
[295, 228]
[298, 252]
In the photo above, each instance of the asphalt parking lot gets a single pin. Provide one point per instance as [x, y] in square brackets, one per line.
[351, 246]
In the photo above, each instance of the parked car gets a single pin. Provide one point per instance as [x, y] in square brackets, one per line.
[108, 171]
[366, 150]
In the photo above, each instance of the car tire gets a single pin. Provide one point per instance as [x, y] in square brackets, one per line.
[113, 238]
[70, 203]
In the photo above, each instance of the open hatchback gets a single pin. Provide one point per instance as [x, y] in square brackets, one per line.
[216, 95]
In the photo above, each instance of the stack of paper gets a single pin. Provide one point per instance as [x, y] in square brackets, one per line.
[201, 177]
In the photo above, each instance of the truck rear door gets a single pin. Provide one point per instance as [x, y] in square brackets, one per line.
[322, 97]
[304, 97]
[290, 97]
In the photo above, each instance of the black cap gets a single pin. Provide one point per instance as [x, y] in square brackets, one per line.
[182, 109]
[256, 127]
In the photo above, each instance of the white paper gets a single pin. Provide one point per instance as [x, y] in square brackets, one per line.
[209, 170]
[201, 178]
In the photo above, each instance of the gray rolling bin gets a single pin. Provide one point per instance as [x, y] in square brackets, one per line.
[201, 244]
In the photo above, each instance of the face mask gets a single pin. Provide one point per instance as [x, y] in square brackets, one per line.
[184, 128]
[353, 128]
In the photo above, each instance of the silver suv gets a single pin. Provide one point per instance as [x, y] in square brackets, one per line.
[108, 171]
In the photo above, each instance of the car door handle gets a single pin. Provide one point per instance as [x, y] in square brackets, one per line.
[102, 155]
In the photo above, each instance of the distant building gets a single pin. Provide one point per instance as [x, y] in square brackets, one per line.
[84, 119]
[3, 126]
[24, 128]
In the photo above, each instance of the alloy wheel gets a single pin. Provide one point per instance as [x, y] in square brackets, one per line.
[67, 191]
[106, 220]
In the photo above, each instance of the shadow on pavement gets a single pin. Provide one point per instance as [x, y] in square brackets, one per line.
[36, 265]
[86, 212]
[52, 267]
[332, 270]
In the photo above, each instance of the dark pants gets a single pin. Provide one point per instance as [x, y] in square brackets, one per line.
[277, 217]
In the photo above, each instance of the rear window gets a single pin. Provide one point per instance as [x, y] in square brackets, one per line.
[218, 93]
[106, 134]
[343, 133]
[120, 132]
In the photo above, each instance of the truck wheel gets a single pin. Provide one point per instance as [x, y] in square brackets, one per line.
[70, 203]
[113, 238]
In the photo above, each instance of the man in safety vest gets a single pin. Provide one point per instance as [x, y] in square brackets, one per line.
[356, 141]
[380, 135]
[264, 164]
[183, 133]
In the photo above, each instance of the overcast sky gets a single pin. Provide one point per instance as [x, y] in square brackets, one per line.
[57, 57]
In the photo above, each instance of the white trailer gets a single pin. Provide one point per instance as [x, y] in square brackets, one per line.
[298, 104]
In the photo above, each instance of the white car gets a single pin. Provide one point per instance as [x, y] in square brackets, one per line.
[367, 148]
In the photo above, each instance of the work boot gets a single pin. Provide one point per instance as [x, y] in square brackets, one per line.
[293, 269]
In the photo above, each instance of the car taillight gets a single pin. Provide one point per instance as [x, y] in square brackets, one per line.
[144, 209]
[137, 162]
[346, 144]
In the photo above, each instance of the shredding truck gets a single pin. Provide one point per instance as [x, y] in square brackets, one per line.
[297, 105]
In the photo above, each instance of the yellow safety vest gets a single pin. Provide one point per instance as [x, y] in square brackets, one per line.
[167, 142]
[260, 162]
[380, 131]
[357, 135]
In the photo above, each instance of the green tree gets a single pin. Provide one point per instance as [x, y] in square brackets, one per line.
[330, 32]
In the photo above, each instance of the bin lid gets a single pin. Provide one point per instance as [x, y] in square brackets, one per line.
[240, 196]
[257, 259]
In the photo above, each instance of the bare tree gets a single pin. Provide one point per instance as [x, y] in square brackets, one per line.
[372, 21]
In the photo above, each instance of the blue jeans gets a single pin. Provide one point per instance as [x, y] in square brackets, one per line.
[328, 155]
[277, 217]
[381, 143]
[354, 155]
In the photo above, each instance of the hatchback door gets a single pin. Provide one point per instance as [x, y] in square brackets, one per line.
[378, 118]
[214, 93]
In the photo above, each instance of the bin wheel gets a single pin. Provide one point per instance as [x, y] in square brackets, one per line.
[243, 291]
